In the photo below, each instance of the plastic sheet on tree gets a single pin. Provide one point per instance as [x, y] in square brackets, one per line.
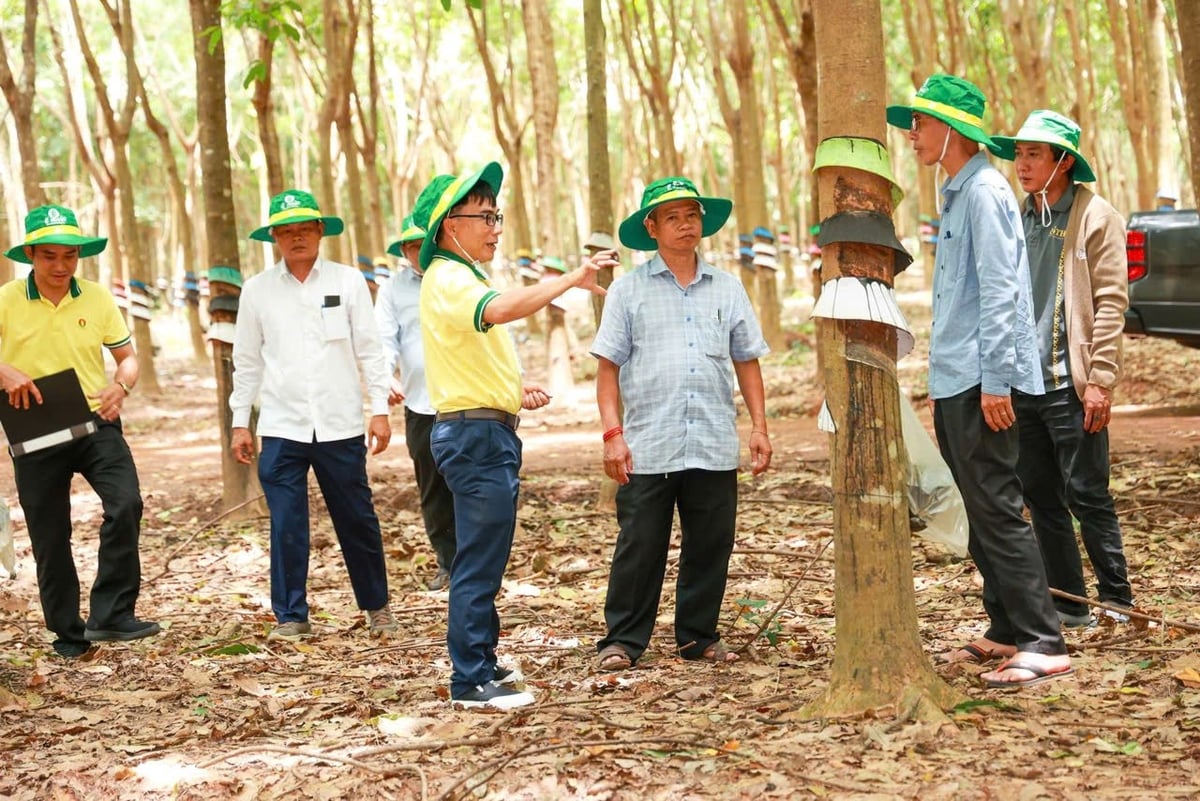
[867, 155]
[867, 228]
[867, 299]
[222, 332]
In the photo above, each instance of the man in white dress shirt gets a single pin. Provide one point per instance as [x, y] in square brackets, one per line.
[302, 325]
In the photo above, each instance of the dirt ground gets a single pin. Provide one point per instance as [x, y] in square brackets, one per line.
[211, 710]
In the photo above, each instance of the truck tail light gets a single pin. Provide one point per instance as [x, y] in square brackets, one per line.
[1135, 250]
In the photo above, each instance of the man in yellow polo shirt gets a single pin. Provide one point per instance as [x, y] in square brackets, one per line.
[475, 386]
[51, 321]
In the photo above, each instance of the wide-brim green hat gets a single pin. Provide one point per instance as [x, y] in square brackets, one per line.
[295, 206]
[448, 194]
[632, 232]
[409, 232]
[1051, 128]
[953, 100]
[55, 225]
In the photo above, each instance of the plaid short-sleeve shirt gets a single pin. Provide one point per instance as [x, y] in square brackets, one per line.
[675, 347]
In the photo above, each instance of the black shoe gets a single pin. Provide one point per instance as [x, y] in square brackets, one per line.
[439, 582]
[71, 649]
[128, 629]
[508, 675]
[493, 695]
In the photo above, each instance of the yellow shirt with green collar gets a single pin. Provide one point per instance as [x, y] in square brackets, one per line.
[39, 338]
[469, 364]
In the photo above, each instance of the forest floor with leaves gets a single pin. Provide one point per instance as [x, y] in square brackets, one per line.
[211, 710]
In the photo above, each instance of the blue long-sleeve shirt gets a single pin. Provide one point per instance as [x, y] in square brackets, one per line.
[983, 326]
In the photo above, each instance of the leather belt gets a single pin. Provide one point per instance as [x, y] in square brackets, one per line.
[510, 420]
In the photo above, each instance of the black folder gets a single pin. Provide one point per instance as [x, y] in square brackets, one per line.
[63, 415]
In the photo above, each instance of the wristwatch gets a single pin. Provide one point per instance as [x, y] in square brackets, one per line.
[128, 389]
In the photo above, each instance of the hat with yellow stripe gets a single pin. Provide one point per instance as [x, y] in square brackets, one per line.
[55, 225]
[953, 100]
[1053, 129]
[450, 194]
[633, 232]
[412, 227]
[294, 206]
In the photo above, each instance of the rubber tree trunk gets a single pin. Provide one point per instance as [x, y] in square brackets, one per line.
[874, 598]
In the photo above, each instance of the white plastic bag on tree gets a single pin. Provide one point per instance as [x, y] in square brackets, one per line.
[8, 558]
[933, 497]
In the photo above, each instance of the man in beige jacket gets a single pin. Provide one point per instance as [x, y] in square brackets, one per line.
[1077, 262]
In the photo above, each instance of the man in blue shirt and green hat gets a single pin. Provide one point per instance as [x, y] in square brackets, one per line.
[982, 352]
[1077, 258]
[675, 333]
[397, 311]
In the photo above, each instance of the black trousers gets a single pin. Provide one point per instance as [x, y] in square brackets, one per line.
[1016, 596]
[707, 503]
[1064, 471]
[437, 501]
[44, 488]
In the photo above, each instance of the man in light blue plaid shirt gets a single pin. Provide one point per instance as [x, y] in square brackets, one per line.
[675, 333]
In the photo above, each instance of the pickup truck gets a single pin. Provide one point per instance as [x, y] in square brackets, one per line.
[1164, 275]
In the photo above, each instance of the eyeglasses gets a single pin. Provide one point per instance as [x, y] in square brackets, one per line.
[490, 219]
[915, 127]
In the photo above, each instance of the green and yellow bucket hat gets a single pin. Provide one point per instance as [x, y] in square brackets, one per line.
[449, 193]
[1053, 129]
[953, 100]
[409, 232]
[632, 231]
[295, 206]
[55, 225]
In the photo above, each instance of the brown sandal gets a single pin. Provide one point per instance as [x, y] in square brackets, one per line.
[613, 658]
[718, 653]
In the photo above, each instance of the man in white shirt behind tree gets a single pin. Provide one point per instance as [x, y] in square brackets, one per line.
[302, 325]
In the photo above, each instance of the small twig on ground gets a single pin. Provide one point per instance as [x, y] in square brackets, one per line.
[430, 745]
[496, 765]
[199, 530]
[305, 754]
[787, 595]
[1178, 624]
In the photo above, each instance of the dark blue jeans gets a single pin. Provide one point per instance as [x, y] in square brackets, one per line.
[341, 470]
[707, 503]
[481, 462]
[44, 488]
[984, 465]
[437, 501]
[1064, 471]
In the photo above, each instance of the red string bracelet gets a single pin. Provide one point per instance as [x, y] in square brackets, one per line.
[613, 432]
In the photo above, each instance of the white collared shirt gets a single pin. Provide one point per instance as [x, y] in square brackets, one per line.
[297, 344]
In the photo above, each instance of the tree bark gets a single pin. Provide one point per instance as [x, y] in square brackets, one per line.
[1189, 37]
[543, 80]
[874, 598]
[20, 96]
[239, 482]
[118, 127]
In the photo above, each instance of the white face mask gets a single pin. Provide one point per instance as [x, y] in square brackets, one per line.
[1045, 215]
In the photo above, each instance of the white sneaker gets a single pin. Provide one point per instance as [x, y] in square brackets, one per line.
[492, 695]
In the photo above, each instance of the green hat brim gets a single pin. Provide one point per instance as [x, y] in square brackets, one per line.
[410, 234]
[901, 117]
[1007, 150]
[333, 226]
[88, 246]
[491, 174]
[632, 231]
